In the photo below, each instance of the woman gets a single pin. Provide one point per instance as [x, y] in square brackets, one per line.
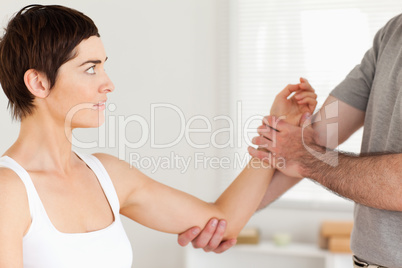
[60, 208]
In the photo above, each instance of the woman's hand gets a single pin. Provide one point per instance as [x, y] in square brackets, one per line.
[291, 109]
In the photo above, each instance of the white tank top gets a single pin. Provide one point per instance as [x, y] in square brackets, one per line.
[46, 247]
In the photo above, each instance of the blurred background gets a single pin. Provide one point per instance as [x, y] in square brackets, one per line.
[193, 79]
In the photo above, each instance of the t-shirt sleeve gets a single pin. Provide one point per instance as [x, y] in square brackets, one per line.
[355, 89]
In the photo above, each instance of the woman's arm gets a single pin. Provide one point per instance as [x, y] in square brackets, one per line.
[163, 208]
[14, 218]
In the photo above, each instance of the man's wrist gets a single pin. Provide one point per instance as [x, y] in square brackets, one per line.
[316, 160]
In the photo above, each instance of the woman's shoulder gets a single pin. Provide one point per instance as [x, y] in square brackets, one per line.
[110, 162]
[11, 187]
[15, 217]
[105, 157]
[126, 178]
[10, 180]
[13, 198]
[117, 169]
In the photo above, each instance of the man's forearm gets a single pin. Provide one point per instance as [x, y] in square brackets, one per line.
[280, 183]
[371, 180]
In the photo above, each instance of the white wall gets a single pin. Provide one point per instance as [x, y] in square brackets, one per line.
[163, 52]
[159, 52]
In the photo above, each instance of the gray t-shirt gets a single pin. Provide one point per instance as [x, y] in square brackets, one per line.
[375, 86]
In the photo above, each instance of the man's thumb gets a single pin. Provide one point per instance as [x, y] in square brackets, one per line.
[305, 120]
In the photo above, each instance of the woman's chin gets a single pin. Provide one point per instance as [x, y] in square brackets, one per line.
[95, 123]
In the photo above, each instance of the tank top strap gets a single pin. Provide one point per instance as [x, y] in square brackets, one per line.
[104, 179]
[33, 197]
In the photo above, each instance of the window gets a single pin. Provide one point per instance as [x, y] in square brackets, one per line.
[274, 42]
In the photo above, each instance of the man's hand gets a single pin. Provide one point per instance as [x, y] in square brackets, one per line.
[289, 145]
[291, 109]
[210, 239]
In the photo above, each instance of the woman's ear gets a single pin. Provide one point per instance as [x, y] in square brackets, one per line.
[37, 83]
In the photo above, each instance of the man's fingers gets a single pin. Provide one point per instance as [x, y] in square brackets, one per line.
[188, 236]
[264, 129]
[260, 154]
[225, 246]
[260, 141]
[217, 237]
[269, 135]
[205, 236]
[273, 122]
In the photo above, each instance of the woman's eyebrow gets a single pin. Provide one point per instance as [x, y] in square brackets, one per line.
[93, 62]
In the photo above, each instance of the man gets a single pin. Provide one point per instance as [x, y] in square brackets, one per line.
[371, 95]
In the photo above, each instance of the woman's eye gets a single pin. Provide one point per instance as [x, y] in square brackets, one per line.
[91, 70]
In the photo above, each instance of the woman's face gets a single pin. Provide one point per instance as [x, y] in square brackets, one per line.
[78, 97]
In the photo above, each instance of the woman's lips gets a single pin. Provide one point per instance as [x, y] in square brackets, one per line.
[100, 106]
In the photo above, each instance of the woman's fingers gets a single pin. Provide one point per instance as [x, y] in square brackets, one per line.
[307, 98]
[304, 94]
[308, 101]
[288, 90]
[305, 84]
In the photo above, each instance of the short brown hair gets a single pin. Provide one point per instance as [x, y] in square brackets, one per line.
[42, 38]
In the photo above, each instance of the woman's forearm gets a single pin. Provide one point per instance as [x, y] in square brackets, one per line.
[241, 199]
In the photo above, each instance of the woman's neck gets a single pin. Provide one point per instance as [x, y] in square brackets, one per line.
[43, 144]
